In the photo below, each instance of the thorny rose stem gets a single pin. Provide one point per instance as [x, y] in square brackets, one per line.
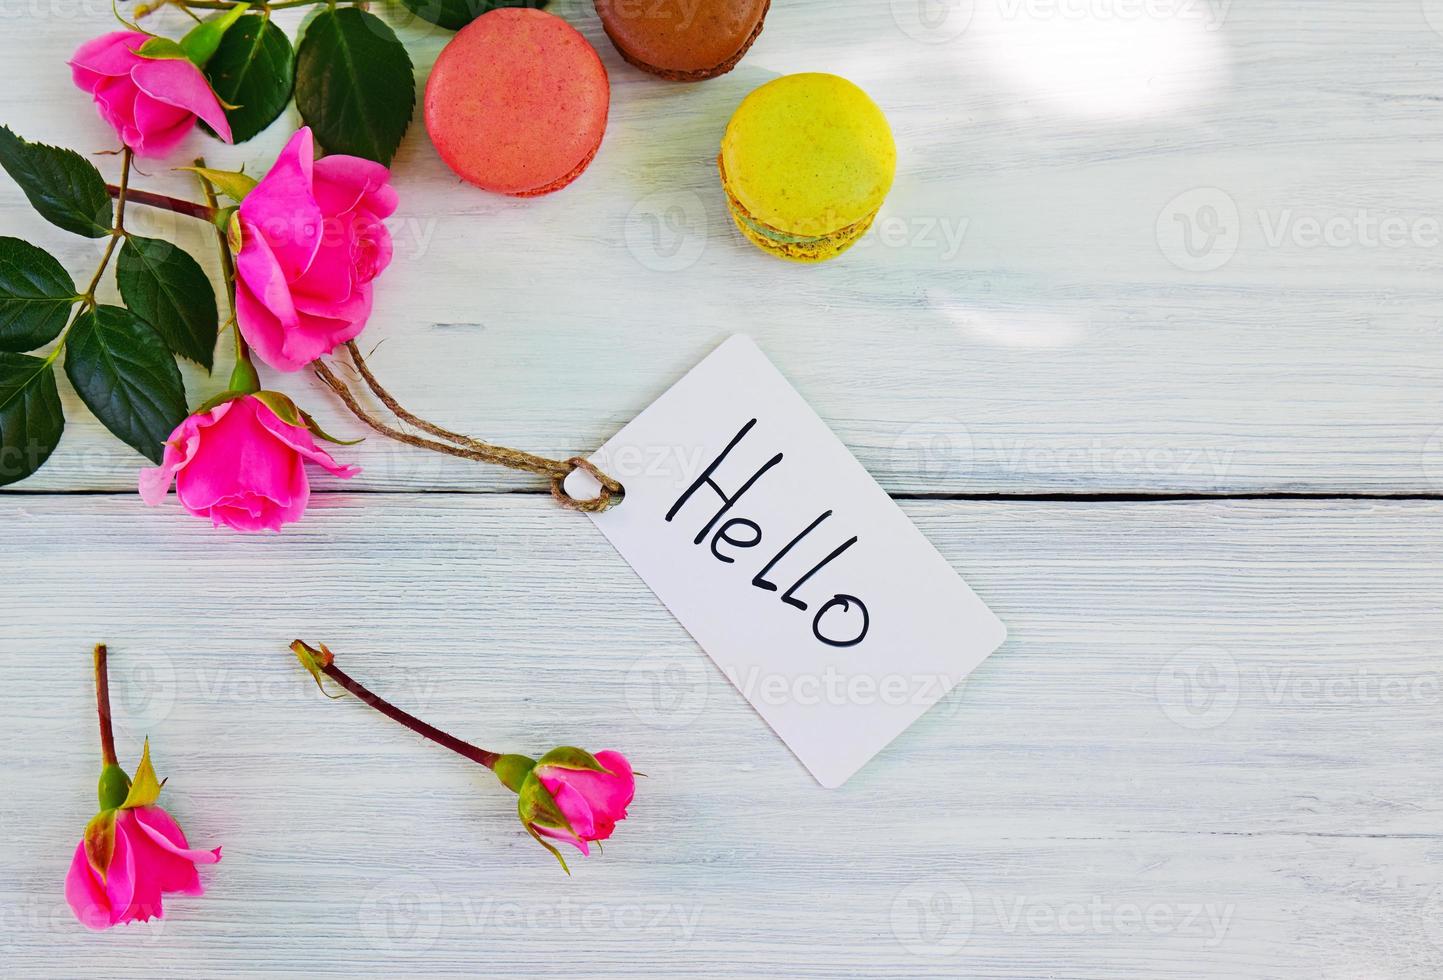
[324, 661]
[102, 706]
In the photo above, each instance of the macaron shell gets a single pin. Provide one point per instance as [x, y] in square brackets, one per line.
[789, 245]
[809, 154]
[683, 40]
[517, 102]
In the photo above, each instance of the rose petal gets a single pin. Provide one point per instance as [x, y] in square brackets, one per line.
[300, 439]
[283, 209]
[344, 182]
[180, 449]
[109, 54]
[180, 84]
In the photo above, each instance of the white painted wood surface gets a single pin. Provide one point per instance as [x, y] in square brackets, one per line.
[1068, 789]
[1209, 747]
[1053, 347]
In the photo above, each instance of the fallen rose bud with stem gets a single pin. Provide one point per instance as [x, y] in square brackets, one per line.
[567, 795]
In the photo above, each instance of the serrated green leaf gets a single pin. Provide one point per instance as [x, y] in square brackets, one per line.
[62, 185]
[456, 14]
[144, 786]
[100, 841]
[36, 294]
[354, 84]
[126, 375]
[169, 290]
[254, 70]
[31, 419]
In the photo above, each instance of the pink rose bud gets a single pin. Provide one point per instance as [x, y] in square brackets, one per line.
[570, 795]
[241, 465]
[151, 103]
[132, 854]
[311, 241]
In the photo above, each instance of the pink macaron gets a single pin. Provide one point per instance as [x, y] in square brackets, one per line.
[517, 102]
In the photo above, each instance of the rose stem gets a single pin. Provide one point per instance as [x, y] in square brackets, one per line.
[245, 375]
[165, 202]
[87, 298]
[465, 749]
[102, 706]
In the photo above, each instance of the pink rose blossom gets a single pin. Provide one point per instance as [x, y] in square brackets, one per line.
[151, 858]
[241, 465]
[591, 801]
[311, 242]
[151, 103]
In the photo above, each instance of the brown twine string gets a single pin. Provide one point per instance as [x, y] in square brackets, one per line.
[466, 447]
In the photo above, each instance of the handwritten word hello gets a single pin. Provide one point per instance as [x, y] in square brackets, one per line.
[741, 533]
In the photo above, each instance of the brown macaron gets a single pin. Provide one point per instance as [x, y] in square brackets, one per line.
[683, 40]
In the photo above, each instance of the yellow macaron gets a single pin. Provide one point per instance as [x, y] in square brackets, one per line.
[806, 162]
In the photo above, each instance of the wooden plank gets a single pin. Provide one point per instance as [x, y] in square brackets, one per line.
[1208, 747]
[1017, 323]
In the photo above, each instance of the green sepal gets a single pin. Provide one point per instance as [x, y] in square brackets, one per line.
[549, 846]
[145, 788]
[512, 770]
[537, 808]
[100, 841]
[284, 408]
[320, 433]
[233, 235]
[234, 184]
[161, 49]
[217, 400]
[313, 660]
[203, 40]
[113, 788]
[570, 757]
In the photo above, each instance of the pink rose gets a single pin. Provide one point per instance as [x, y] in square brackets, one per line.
[311, 242]
[241, 465]
[151, 103]
[150, 858]
[592, 802]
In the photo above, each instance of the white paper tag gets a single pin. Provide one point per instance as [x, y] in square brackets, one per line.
[801, 579]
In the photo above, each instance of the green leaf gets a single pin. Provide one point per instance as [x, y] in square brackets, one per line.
[254, 70]
[36, 294]
[169, 290]
[145, 787]
[100, 841]
[456, 14]
[354, 85]
[31, 420]
[125, 374]
[61, 184]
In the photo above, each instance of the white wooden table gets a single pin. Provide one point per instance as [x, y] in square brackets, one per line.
[1147, 342]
